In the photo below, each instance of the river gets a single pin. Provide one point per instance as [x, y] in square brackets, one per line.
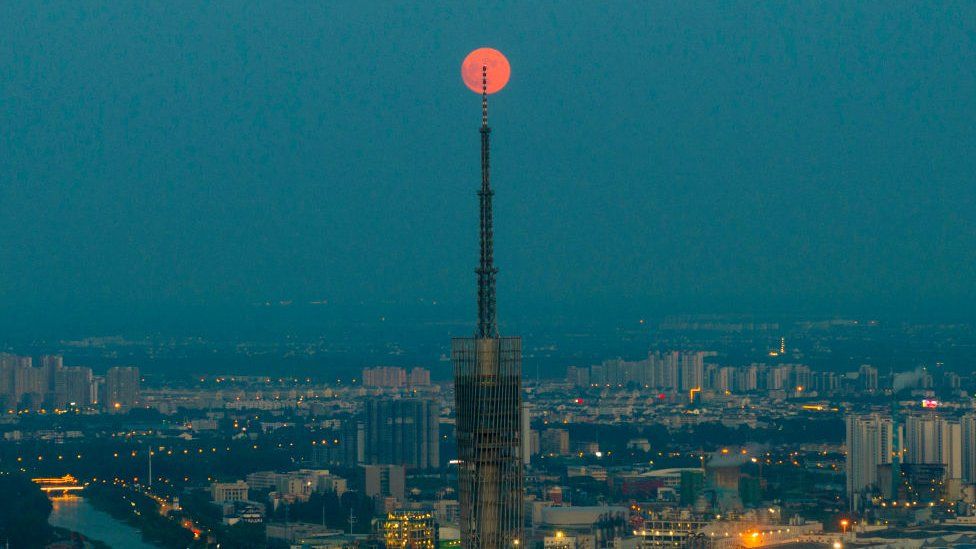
[77, 514]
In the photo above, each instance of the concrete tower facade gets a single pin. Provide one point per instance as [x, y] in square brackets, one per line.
[968, 428]
[932, 439]
[870, 439]
[488, 397]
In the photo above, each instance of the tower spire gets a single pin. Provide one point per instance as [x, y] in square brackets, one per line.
[487, 322]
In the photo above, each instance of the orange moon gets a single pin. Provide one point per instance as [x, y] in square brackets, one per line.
[498, 70]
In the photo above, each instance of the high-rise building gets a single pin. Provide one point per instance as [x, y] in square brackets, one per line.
[73, 387]
[725, 379]
[419, 377]
[747, 379]
[410, 530]
[385, 480]
[619, 373]
[658, 370]
[12, 378]
[394, 377]
[24, 385]
[870, 441]
[403, 432]
[801, 378]
[578, 377]
[340, 446]
[121, 388]
[526, 433]
[7, 381]
[867, 377]
[488, 391]
[671, 371]
[951, 380]
[554, 442]
[384, 377]
[777, 378]
[923, 483]
[968, 434]
[692, 368]
[933, 440]
[50, 366]
[825, 382]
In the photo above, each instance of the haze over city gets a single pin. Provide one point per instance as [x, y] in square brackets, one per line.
[707, 285]
[166, 165]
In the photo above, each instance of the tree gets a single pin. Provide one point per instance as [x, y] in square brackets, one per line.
[24, 510]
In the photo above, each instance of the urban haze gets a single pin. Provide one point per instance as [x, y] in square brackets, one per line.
[650, 274]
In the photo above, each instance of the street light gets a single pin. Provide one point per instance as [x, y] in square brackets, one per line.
[843, 525]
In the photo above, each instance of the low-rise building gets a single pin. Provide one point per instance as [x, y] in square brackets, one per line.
[223, 492]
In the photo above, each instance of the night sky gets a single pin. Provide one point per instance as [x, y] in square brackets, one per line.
[727, 157]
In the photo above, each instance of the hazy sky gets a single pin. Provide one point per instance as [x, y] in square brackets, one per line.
[668, 156]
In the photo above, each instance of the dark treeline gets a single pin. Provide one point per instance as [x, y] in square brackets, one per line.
[24, 510]
[141, 512]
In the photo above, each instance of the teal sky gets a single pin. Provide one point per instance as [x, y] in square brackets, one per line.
[658, 156]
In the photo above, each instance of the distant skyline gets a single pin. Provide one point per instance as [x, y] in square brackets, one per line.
[647, 157]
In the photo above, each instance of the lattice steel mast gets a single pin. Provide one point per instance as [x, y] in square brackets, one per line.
[487, 320]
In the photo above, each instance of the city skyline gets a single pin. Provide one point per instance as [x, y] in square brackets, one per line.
[734, 307]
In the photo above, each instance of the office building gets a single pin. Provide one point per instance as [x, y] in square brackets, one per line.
[410, 530]
[224, 492]
[300, 484]
[385, 481]
[403, 432]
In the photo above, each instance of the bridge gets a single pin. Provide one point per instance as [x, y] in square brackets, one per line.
[63, 485]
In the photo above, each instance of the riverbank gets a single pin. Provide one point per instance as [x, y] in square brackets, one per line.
[63, 535]
[140, 513]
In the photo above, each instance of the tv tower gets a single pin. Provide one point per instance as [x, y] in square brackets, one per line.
[488, 371]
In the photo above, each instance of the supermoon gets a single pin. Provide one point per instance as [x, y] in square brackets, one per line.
[498, 70]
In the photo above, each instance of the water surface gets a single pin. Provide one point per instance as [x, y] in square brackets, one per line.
[77, 514]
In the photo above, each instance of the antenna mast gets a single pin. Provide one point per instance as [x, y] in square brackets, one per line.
[487, 321]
